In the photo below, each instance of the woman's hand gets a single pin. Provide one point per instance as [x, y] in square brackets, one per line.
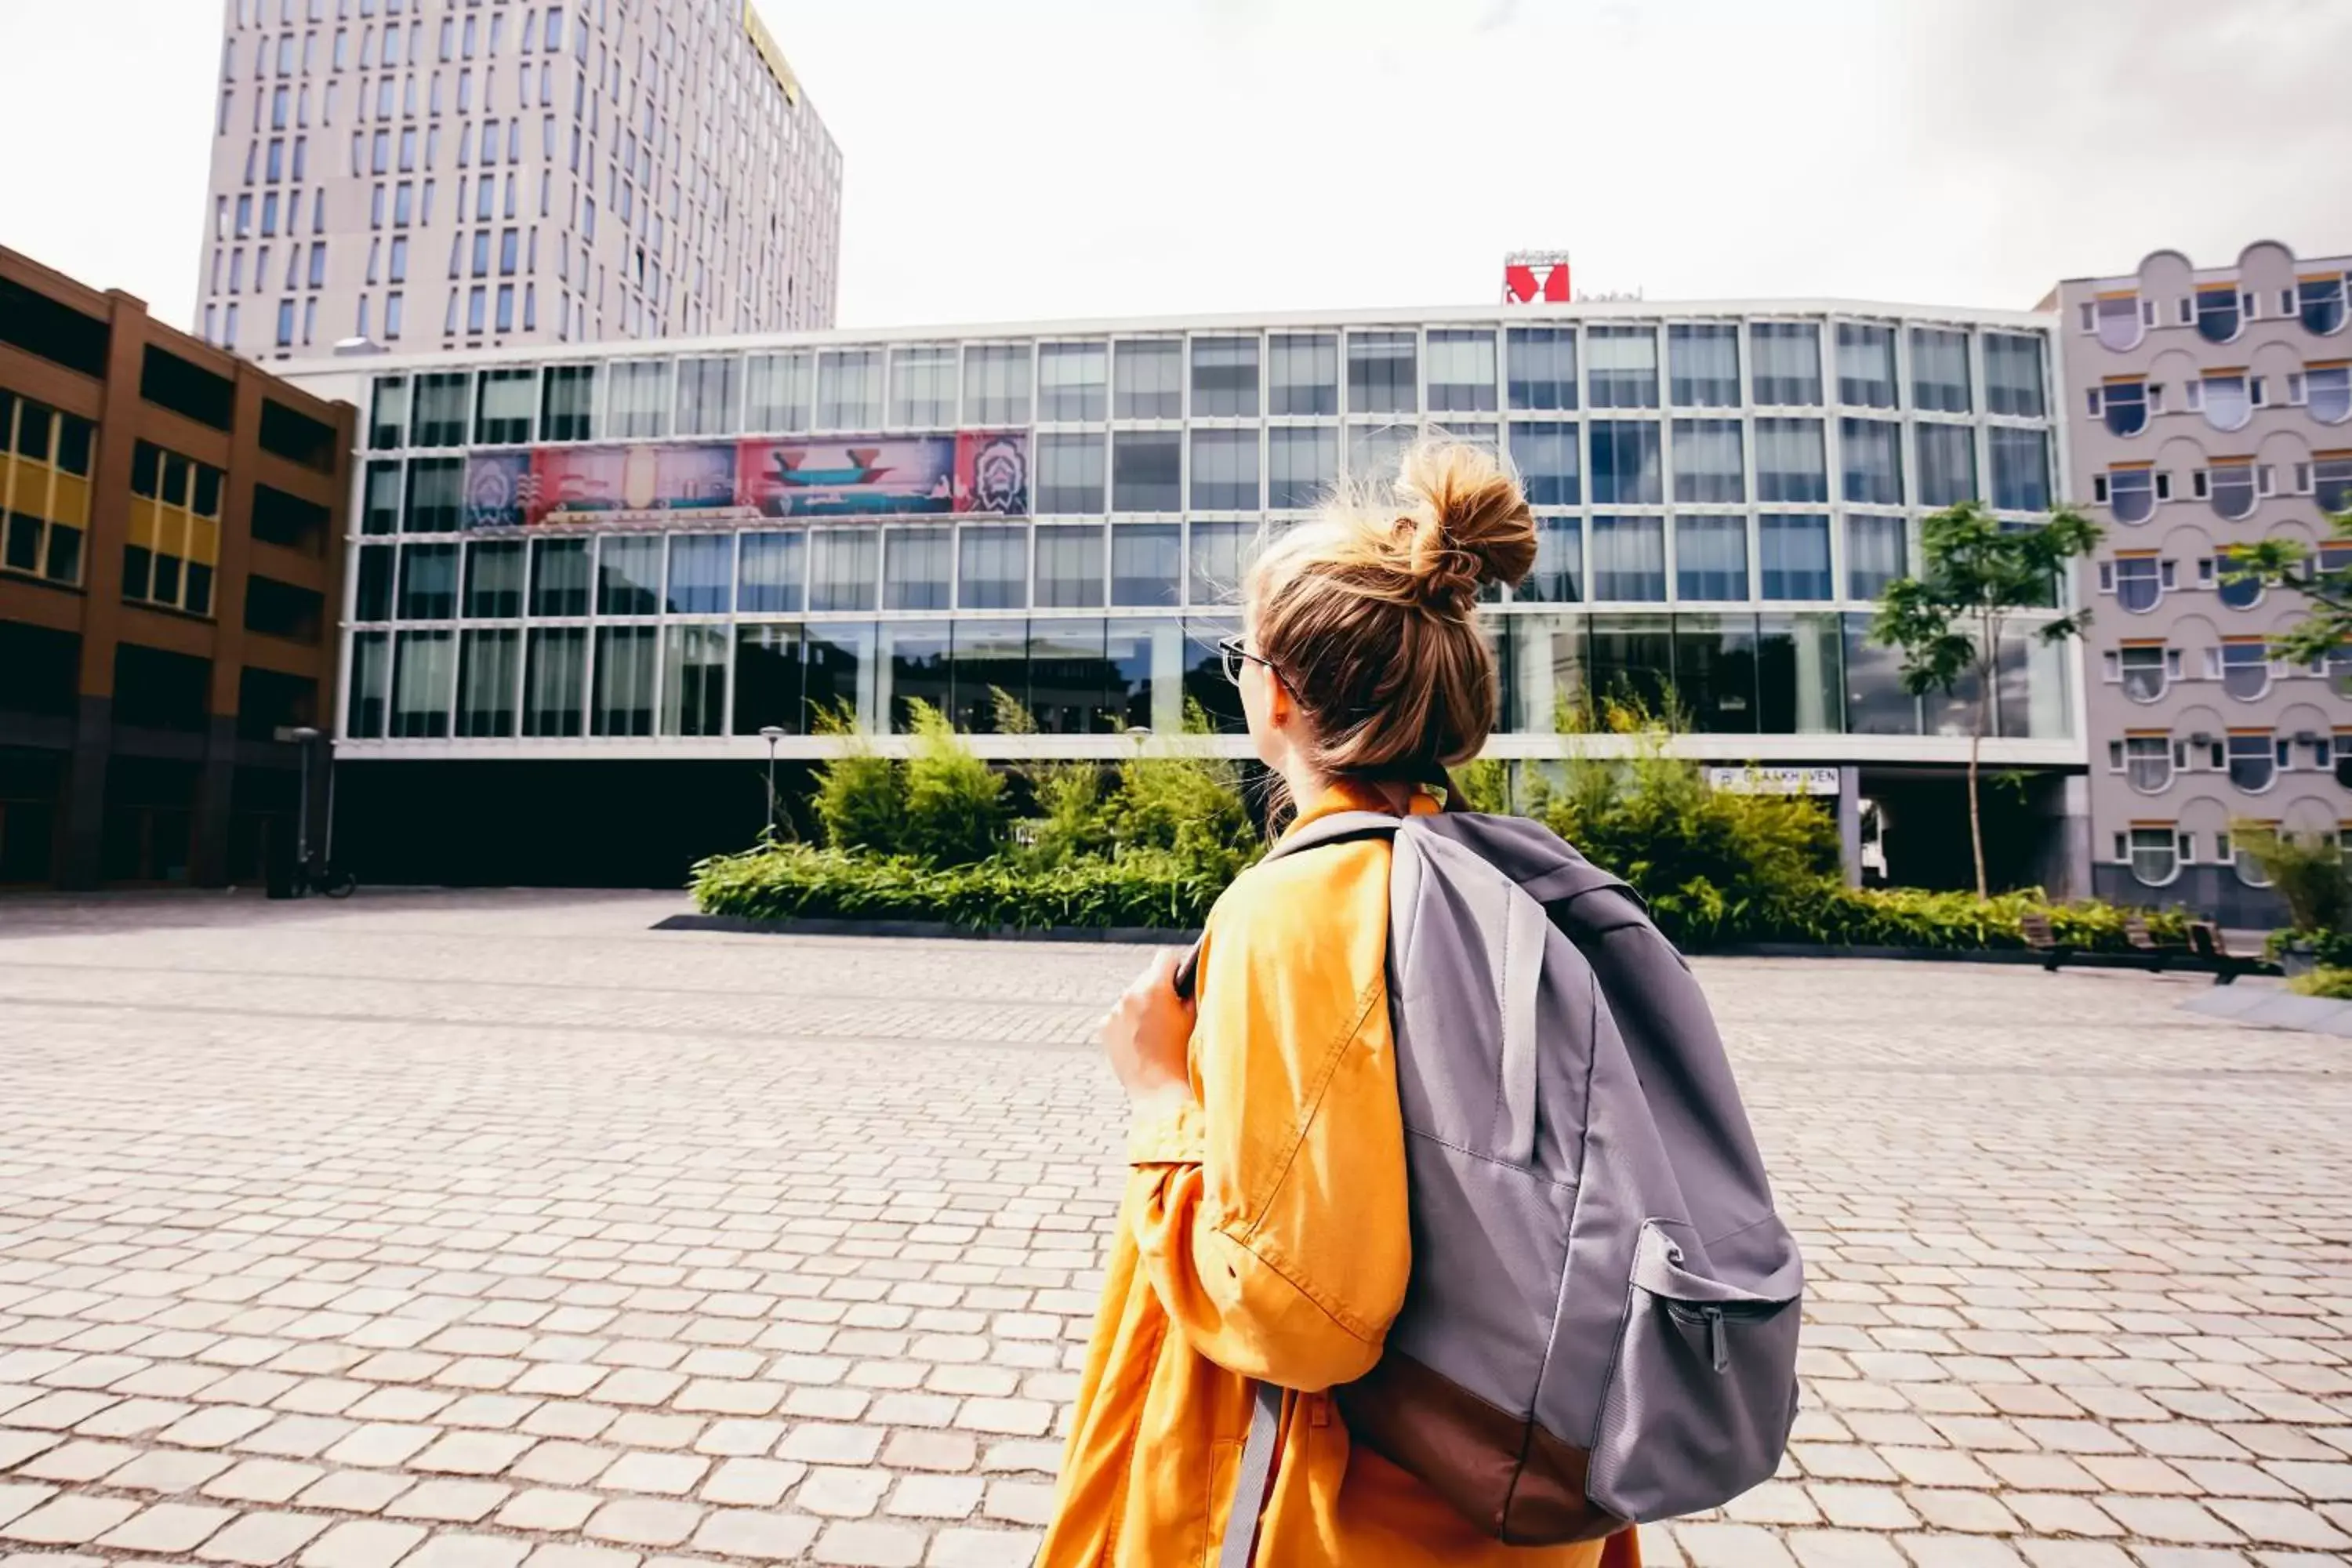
[1146, 1037]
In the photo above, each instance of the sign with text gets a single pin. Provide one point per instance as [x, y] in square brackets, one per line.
[1774, 781]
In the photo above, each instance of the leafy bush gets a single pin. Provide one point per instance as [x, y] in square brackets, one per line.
[2308, 871]
[783, 882]
[955, 812]
[1070, 818]
[1185, 800]
[861, 801]
[2335, 983]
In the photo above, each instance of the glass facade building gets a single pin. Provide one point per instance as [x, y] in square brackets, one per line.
[615, 552]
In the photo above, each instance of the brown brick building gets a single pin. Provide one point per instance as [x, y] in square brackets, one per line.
[171, 547]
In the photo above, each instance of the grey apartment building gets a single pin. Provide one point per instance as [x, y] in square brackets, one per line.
[459, 175]
[2211, 406]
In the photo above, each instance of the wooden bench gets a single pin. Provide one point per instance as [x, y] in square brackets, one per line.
[2043, 941]
[2212, 949]
[2156, 954]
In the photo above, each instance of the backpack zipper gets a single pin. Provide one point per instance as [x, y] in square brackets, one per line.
[1712, 1317]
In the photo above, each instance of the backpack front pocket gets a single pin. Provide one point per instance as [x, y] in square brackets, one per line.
[1703, 1388]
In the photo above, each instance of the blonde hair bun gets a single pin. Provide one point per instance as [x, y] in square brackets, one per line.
[1468, 520]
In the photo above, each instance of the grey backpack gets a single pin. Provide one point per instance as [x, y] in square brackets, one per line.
[1601, 1324]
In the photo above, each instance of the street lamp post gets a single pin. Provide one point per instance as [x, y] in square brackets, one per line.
[772, 734]
[303, 736]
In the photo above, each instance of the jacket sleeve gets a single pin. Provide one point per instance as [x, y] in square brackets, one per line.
[1269, 1214]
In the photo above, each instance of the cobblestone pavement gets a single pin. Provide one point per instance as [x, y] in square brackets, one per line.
[458, 1230]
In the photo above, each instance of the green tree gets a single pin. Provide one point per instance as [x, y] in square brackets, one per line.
[1978, 573]
[2326, 624]
[955, 803]
[861, 797]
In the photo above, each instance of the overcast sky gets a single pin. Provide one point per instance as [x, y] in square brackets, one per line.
[1041, 158]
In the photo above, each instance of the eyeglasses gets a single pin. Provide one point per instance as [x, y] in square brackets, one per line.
[1236, 655]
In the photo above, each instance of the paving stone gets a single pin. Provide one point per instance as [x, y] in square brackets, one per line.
[750, 1533]
[1730, 1546]
[167, 1527]
[355, 1492]
[363, 1543]
[69, 1520]
[448, 1502]
[1842, 1549]
[935, 1497]
[544, 1507]
[870, 1545]
[262, 1480]
[645, 1522]
[469, 1551]
[169, 1470]
[257, 1540]
[752, 1483]
[1001, 1549]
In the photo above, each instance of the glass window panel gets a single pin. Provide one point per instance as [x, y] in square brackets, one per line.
[768, 678]
[1069, 567]
[1073, 381]
[1150, 379]
[1070, 473]
[922, 387]
[1799, 675]
[996, 383]
[2021, 469]
[1716, 672]
[780, 392]
[381, 513]
[436, 495]
[842, 666]
[845, 566]
[440, 410]
[1541, 365]
[489, 663]
[1375, 452]
[987, 658]
[559, 577]
[1621, 366]
[1383, 374]
[1224, 470]
[1948, 463]
[2013, 375]
[567, 407]
[992, 566]
[2217, 312]
[428, 582]
[701, 574]
[506, 407]
[1460, 371]
[1787, 368]
[1224, 378]
[373, 601]
[1302, 465]
[1710, 557]
[1866, 355]
[1875, 701]
[424, 678]
[1869, 453]
[637, 399]
[2031, 694]
[917, 568]
[914, 668]
[774, 568]
[371, 696]
[1790, 465]
[1549, 460]
[625, 658]
[849, 389]
[1709, 463]
[1147, 471]
[1702, 365]
[1303, 374]
[1629, 558]
[1939, 370]
[1624, 462]
[706, 390]
[694, 680]
[388, 414]
[1069, 679]
[1632, 659]
[2320, 302]
[1558, 575]
[1793, 550]
[1145, 661]
[1146, 564]
[1877, 551]
[1204, 673]
[628, 574]
[1221, 556]
[494, 580]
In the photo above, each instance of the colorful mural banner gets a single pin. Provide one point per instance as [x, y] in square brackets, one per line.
[982, 472]
[592, 484]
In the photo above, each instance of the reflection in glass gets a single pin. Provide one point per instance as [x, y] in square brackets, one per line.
[694, 680]
[1786, 372]
[493, 580]
[371, 699]
[625, 657]
[1221, 555]
[843, 674]
[1146, 564]
[628, 574]
[992, 566]
[1624, 466]
[1799, 675]
[1547, 656]
[1071, 467]
[1629, 558]
[1875, 700]
[706, 396]
[2013, 375]
[1303, 374]
[1633, 662]
[1557, 576]
[912, 667]
[428, 582]
[1073, 383]
[567, 403]
[774, 568]
[995, 385]
[559, 577]
[1541, 367]
[849, 389]
[922, 387]
[1069, 678]
[768, 678]
[488, 664]
[990, 657]
[780, 392]
[917, 568]
[844, 563]
[1460, 371]
[1224, 470]
[636, 398]
[1709, 465]
[1866, 357]
[1302, 465]
[1939, 370]
[701, 573]
[1383, 374]
[423, 675]
[2032, 686]
[1793, 550]
[1789, 462]
[1948, 463]
[1204, 673]
[1621, 365]
[1877, 551]
[1148, 380]
[1545, 454]
[1703, 362]
[1224, 378]
[1069, 567]
[2021, 469]
[1147, 470]
[1375, 452]
[1715, 672]
[1710, 557]
[1145, 665]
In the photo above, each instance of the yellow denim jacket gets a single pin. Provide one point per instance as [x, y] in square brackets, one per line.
[1263, 1237]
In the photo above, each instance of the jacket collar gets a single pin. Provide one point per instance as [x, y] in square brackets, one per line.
[1346, 795]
